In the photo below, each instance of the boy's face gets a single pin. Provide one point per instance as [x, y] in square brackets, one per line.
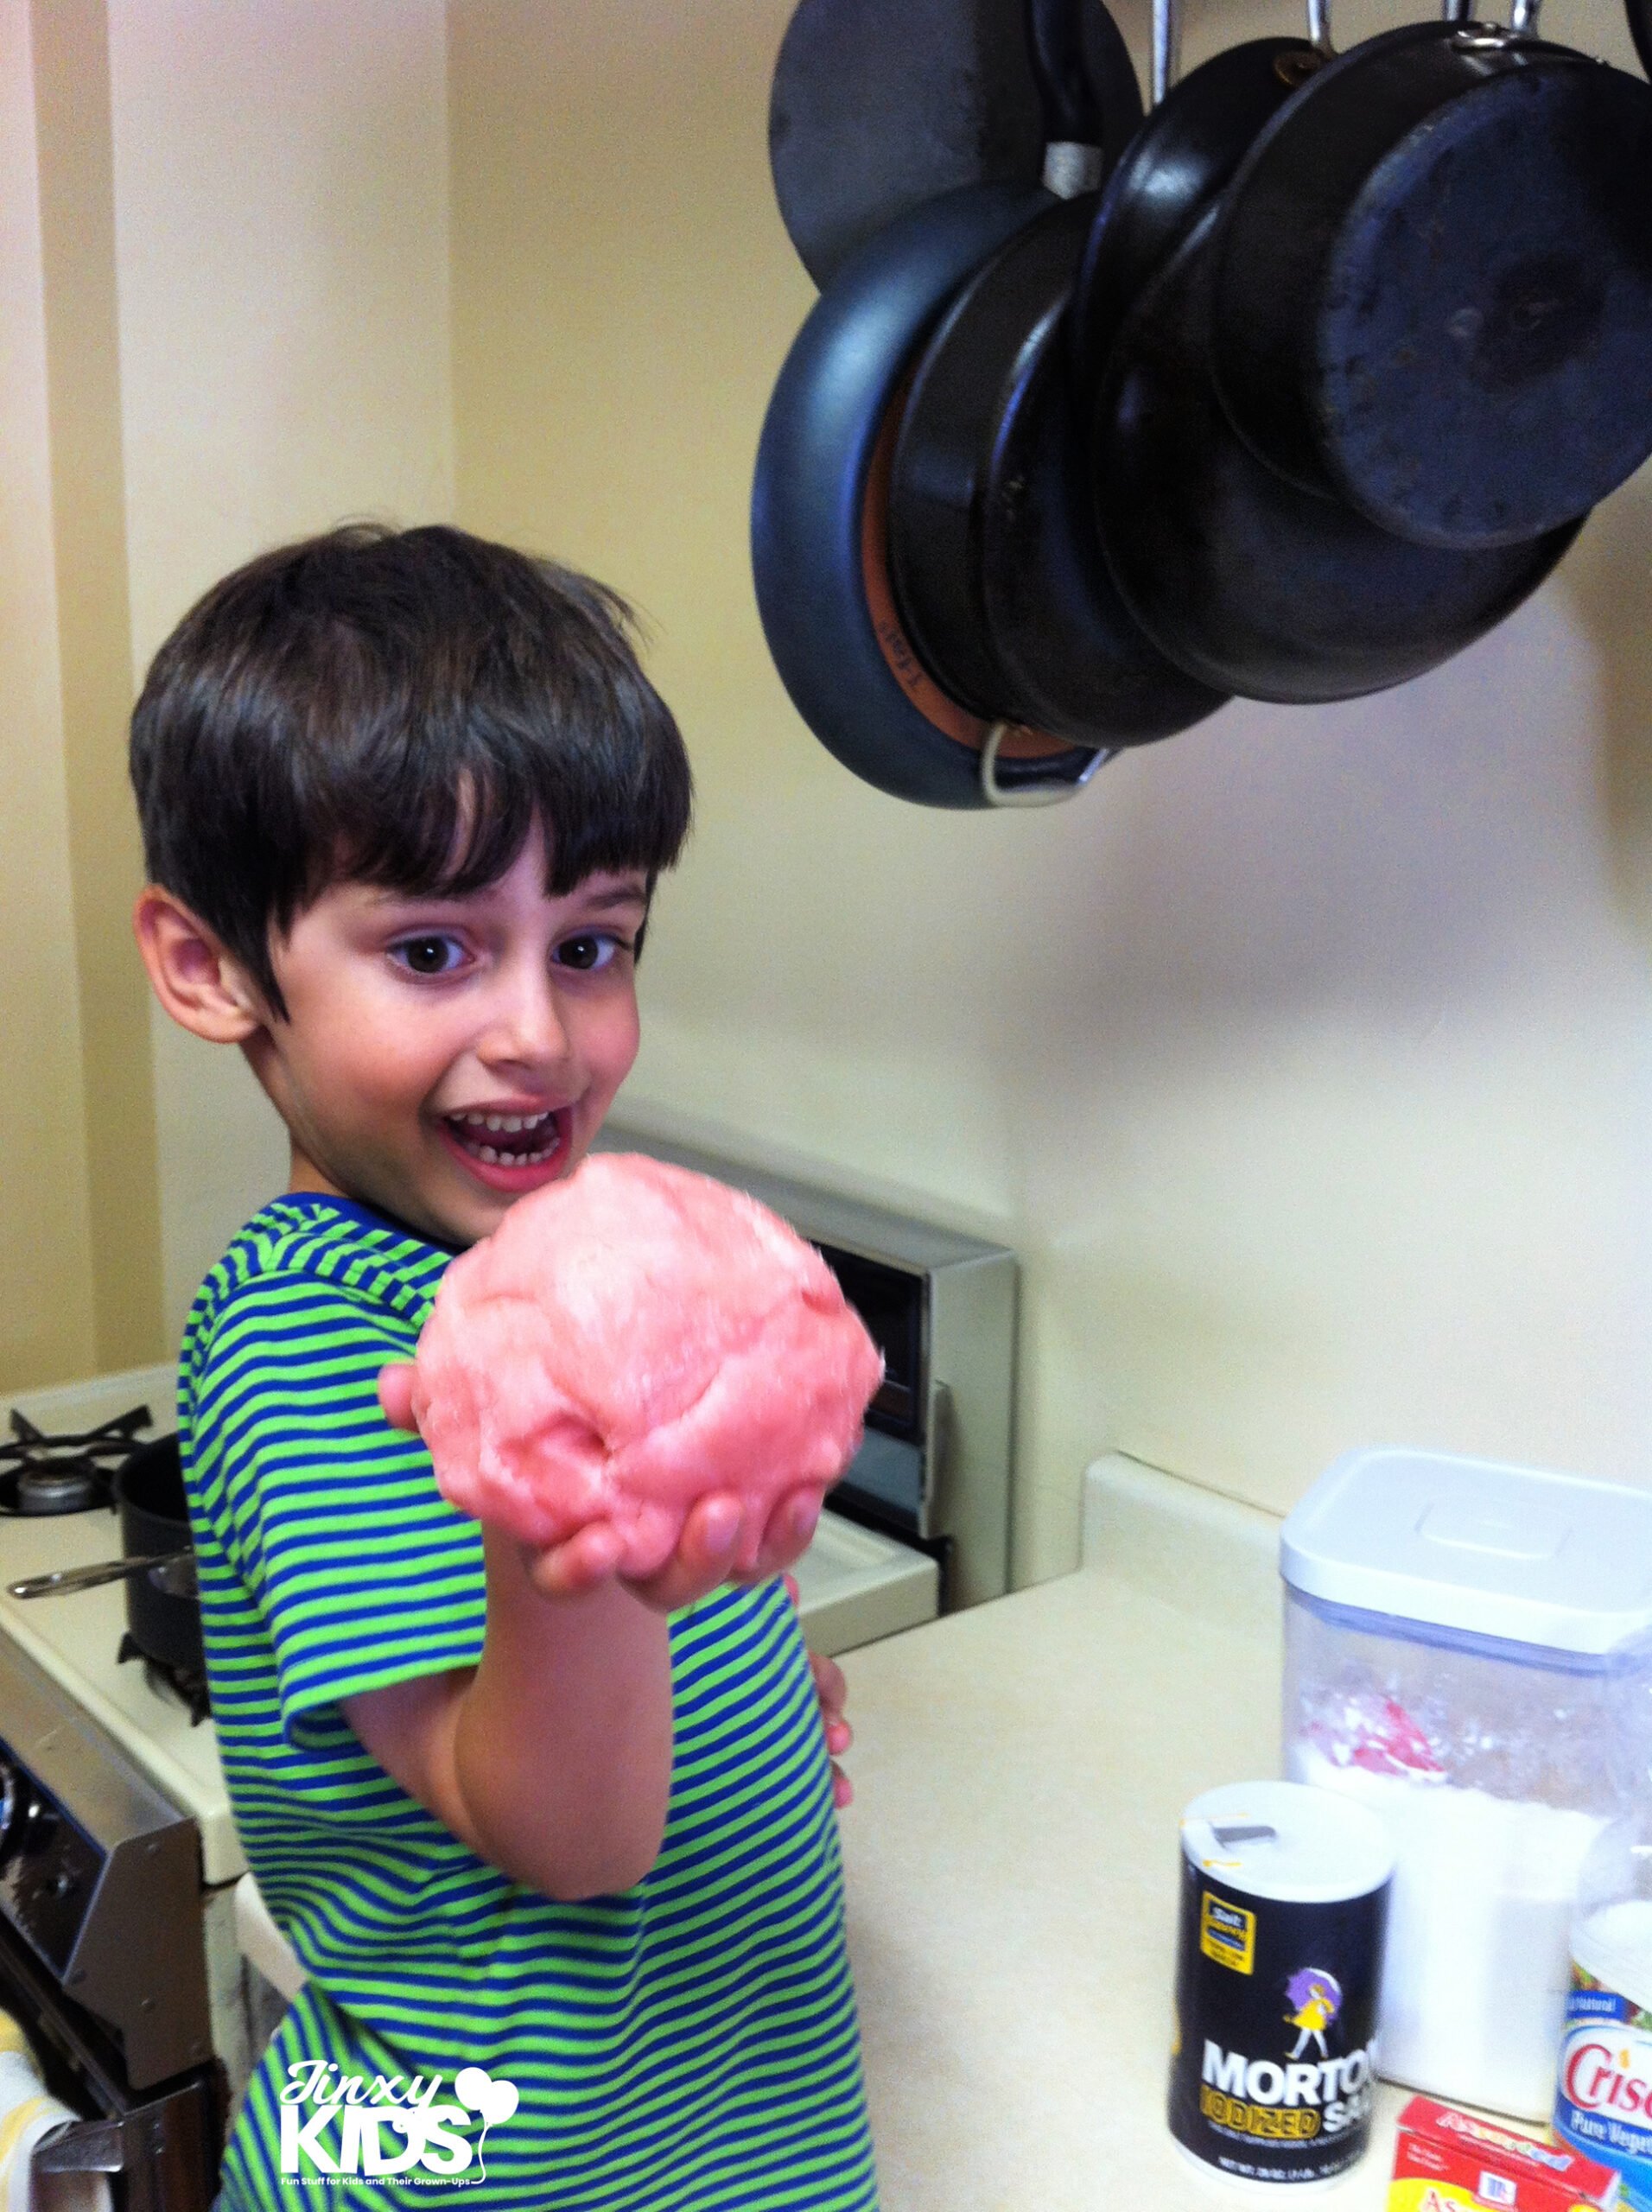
[417, 1026]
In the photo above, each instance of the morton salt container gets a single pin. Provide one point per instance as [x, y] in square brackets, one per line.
[1283, 1897]
[1469, 1655]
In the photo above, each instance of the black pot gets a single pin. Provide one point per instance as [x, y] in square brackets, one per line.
[154, 1520]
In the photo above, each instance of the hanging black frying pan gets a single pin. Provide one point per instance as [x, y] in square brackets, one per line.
[1640, 30]
[1433, 284]
[1242, 578]
[820, 501]
[878, 108]
[1187, 151]
[997, 567]
[819, 514]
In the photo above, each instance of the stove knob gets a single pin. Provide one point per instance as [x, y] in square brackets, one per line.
[13, 1791]
[25, 1817]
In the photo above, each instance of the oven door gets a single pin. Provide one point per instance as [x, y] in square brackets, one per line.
[159, 2148]
[855, 1584]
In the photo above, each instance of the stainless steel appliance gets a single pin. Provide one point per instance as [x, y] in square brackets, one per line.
[102, 1952]
[119, 1858]
[920, 1522]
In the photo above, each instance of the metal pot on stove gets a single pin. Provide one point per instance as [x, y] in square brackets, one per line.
[158, 1564]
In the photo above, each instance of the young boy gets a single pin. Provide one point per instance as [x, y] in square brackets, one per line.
[557, 1852]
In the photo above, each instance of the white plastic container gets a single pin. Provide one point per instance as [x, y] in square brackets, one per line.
[1469, 1653]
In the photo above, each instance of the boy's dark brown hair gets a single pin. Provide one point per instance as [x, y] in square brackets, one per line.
[396, 707]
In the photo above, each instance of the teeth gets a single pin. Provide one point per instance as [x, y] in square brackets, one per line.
[486, 1152]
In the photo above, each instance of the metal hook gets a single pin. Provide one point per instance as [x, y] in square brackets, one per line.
[1523, 16]
[1166, 47]
[1050, 792]
[1319, 27]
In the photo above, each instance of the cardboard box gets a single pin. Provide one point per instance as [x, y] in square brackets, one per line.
[1446, 2160]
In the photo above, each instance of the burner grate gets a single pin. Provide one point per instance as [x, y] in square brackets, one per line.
[184, 1686]
[68, 1473]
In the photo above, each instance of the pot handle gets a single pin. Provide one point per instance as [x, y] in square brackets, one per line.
[164, 1567]
[1086, 120]
[1044, 790]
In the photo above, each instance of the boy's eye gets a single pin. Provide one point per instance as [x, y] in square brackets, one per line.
[432, 955]
[593, 949]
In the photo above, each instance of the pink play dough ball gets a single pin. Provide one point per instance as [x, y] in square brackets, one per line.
[627, 1341]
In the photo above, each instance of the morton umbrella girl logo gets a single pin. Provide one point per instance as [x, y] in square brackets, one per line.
[1317, 1997]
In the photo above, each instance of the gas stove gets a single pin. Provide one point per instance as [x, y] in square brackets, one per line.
[44, 1474]
[118, 1860]
[78, 1639]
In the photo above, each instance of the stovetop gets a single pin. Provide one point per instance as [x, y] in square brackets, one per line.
[77, 1639]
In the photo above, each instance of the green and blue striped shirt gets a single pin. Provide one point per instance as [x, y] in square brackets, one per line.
[687, 2046]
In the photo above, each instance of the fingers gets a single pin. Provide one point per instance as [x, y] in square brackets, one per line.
[829, 1685]
[569, 1569]
[716, 1545]
[787, 1536]
[395, 1395]
[704, 1558]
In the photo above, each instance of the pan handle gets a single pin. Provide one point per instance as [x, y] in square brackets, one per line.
[1087, 91]
[1043, 791]
[166, 1568]
[1058, 59]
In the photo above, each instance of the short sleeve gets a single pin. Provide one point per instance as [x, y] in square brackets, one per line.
[361, 1571]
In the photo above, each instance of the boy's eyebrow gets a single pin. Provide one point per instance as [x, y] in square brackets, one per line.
[627, 895]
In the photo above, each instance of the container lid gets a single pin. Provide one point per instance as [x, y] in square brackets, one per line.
[1283, 1839]
[1509, 1552]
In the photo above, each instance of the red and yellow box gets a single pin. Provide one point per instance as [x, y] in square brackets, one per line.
[1446, 2159]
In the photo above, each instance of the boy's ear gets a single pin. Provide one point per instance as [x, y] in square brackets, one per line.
[200, 984]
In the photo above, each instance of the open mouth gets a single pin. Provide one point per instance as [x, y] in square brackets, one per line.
[507, 1140]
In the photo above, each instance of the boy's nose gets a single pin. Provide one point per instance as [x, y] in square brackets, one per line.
[524, 1028]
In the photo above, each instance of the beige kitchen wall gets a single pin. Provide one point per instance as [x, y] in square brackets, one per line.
[1304, 1060]
[224, 321]
[280, 191]
[47, 1325]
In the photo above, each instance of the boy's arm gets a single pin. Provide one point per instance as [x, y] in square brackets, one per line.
[551, 1758]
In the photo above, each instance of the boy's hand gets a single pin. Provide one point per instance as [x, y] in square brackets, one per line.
[714, 1539]
[395, 1395]
[715, 1535]
[833, 1692]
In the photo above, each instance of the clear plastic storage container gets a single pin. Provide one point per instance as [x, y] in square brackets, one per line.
[1469, 1653]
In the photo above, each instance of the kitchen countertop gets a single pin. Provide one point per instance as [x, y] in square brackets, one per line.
[1012, 1857]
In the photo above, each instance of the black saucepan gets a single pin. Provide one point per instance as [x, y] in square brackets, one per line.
[1183, 156]
[876, 109]
[158, 1567]
[1243, 578]
[1432, 294]
[819, 513]
[997, 567]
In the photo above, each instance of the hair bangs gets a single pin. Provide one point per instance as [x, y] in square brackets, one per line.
[401, 709]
